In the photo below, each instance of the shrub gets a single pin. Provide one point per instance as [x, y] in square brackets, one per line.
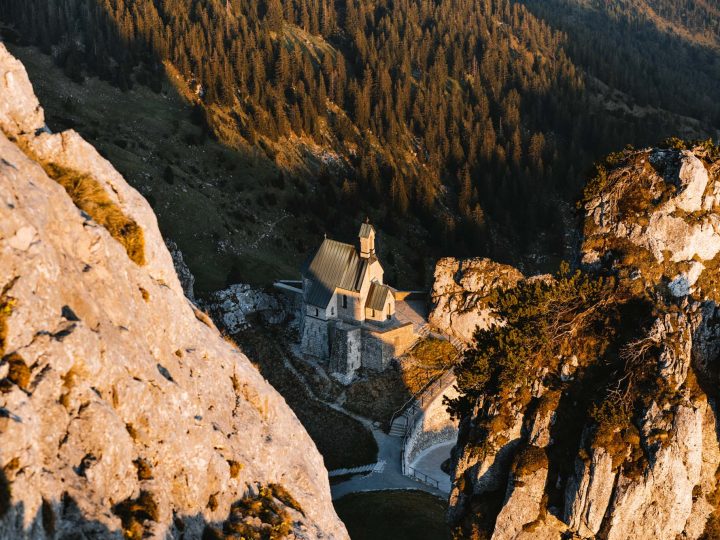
[544, 320]
[263, 516]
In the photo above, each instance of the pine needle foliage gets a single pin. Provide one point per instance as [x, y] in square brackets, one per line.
[543, 320]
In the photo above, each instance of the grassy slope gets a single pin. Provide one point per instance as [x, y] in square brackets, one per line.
[223, 208]
[226, 209]
[393, 515]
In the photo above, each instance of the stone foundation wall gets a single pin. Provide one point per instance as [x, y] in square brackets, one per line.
[347, 347]
[379, 348]
[345, 344]
[314, 341]
[376, 353]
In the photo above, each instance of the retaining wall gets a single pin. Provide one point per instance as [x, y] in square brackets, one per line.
[431, 426]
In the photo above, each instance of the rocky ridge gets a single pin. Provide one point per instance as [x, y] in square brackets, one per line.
[123, 413]
[644, 463]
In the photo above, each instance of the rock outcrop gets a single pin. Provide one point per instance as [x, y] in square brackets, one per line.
[235, 306]
[460, 294]
[186, 277]
[642, 462]
[122, 410]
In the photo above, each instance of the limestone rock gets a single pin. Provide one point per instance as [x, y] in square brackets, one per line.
[460, 294]
[235, 305]
[663, 203]
[653, 223]
[482, 471]
[659, 503]
[543, 420]
[187, 280]
[588, 493]
[20, 111]
[523, 500]
[118, 393]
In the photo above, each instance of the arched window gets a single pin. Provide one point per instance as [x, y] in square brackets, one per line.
[344, 304]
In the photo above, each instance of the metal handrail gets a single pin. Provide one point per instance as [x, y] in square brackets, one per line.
[413, 398]
[420, 398]
[429, 480]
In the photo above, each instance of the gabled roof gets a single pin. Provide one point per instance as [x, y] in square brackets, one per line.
[377, 296]
[335, 265]
[365, 230]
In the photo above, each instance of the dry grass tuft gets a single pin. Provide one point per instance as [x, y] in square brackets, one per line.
[18, 374]
[235, 468]
[144, 469]
[267, 508]
[145, 294]
[133, 514]
[90, 197]
[283, 495]
[6, 306]
[530, 460]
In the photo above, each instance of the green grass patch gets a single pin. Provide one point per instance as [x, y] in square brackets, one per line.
[393, 515]
[434, 353]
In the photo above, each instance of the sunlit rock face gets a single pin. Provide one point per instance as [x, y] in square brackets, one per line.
[652, 224]
[123, 412]
[460, 294]
[656, 215]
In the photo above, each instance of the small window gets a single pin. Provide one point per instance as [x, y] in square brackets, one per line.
[332, 311]
[372, 313]
[317, 313]
[344, 304]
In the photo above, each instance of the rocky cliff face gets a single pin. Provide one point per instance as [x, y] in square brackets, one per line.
[613, 434]
[461, 293]
[122, 410]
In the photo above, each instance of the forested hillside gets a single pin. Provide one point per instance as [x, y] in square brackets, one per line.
[471, 116]
[662, 53]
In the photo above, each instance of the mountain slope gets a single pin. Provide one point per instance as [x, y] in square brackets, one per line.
[467, 120]
[647, 49]
[124, 412]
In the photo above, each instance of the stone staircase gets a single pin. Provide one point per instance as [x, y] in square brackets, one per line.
[400, 423]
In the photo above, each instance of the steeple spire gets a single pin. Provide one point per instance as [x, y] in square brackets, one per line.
[367, 239]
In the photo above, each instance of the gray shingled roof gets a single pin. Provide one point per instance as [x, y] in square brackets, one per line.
[335, 265]
[365, 230]
[377, 296]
